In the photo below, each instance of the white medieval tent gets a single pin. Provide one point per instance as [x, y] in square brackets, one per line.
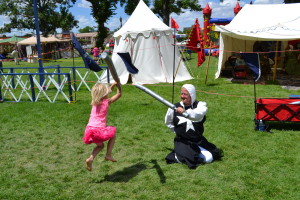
[275, 22]
[149, 43]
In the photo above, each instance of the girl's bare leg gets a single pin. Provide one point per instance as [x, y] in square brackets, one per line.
[89, 161]
[110, 146]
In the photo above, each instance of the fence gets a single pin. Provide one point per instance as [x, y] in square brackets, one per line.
[22, 84]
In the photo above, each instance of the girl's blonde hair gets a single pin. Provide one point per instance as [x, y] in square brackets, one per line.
[99, 91]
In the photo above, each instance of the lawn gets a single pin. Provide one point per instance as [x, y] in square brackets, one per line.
[43, 155]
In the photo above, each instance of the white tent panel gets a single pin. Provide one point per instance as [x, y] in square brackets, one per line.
[265, 22]
[269, 22]
[149, 43]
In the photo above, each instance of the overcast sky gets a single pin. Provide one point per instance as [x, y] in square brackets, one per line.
[82, 13]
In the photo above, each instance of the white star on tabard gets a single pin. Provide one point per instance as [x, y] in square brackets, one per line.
[189, 124]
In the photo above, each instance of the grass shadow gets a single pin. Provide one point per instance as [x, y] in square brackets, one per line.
[130, 172]
[212, 84]
[124, 175]
[281, 126]
[159, 171]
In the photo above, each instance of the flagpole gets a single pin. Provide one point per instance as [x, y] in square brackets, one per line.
[173, 67]
[175, 26]
[38, 42]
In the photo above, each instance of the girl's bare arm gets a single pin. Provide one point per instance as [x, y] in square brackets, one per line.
[118, 94]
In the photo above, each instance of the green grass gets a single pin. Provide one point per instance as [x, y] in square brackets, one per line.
[43, 156]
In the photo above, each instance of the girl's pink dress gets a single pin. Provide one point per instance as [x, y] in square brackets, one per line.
[96, 130]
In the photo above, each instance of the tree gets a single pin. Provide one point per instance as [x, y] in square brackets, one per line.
[130, 5]
[164, 7]
[53, 14]
[102, 10]
[87, 29]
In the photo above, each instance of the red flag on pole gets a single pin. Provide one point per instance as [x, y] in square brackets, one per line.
[174, 24]
[195, 42]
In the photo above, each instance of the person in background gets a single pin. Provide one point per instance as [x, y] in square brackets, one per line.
[14, 54]
[100, 58]
[291, 61]
[190, 146]
[261, 47]
[95, 52]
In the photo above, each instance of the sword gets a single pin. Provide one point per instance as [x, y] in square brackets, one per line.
[111, 66]
[159, 98]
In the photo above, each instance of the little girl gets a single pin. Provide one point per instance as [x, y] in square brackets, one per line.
[96, 130]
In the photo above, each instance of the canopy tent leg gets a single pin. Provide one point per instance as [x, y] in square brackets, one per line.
[276, 62]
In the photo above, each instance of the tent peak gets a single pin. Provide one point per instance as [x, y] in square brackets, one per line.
[142, 21]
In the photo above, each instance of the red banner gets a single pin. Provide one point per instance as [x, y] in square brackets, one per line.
[174, 24]
[195, 42]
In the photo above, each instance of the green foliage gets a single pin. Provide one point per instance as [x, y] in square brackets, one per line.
[130, 5]
[102, 11]
[43, 156]
[164, 8]
[87, 29]
[53, 14]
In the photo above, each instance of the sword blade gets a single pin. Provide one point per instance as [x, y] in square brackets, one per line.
[159, 98]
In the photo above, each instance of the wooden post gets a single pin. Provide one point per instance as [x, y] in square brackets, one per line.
[208, 62]
[276, 62]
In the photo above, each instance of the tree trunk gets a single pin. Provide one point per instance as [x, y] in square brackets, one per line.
[102, 34]
[166, 12]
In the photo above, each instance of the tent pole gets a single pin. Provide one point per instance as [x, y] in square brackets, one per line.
[276, 62]
[178, 66]
[255, 106]
[182, 57]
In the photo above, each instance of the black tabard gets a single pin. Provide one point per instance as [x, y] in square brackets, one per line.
[180, 129]
[187, 142]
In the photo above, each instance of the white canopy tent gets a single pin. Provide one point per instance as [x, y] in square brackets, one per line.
[269, 22]
[149, 42]
[32, 40]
